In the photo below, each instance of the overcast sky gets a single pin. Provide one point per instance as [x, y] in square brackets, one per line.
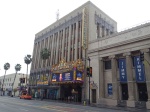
[20, 20]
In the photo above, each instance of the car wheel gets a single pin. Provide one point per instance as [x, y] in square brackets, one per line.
[20, 97]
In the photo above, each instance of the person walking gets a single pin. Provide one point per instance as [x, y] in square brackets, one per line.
[36, 95]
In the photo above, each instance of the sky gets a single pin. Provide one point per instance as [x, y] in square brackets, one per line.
[20, 20]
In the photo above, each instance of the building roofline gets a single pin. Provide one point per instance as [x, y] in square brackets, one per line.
[63, 18]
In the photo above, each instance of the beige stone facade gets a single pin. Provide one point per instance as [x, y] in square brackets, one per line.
[105, 46]
[125, 44]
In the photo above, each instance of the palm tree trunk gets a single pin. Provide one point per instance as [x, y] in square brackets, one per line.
[27, 76]
[13, 83]
[3, 84]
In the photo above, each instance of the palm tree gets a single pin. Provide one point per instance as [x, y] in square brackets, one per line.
[27, 60]
[17, 68]
[45, 53]
[6, 67]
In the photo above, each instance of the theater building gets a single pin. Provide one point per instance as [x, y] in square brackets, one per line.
[87, 36]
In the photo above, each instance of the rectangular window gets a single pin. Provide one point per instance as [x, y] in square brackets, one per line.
[107, 32]
[98, 30]
[103, 31]
[133, 61]
[107, 64]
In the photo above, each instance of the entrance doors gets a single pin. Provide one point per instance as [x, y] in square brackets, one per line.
[142, 92]
[53, 94]
[124, 88]
[93, 95]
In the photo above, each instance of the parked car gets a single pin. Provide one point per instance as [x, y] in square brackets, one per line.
[25, 95]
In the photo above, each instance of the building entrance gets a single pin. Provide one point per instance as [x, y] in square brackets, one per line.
[124, 89]
[142, 92]
[53, 94]
[93, 95]
[71, 93]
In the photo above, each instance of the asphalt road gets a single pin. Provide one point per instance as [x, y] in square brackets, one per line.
[14, 104]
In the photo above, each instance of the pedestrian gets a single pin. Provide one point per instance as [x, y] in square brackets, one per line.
[68, 98]
[36, 95]
[72, 98]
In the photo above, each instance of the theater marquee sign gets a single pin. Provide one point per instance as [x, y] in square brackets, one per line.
[67, 72]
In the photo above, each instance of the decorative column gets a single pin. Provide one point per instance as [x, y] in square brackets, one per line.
[131, 87]
[101, 79]
[57, 47]
[69, 46]
[114, 78]
[52, 50]
[63, 44]
[147, 73]
[39, 58]
[76, 41]
[80, 37]
[47, 46]
[72, 41]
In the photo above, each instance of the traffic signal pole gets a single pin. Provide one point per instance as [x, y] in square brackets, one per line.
[89, 78]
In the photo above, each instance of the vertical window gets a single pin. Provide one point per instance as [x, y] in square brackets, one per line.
[107, 64]
[133, 61]
[107, 32]
[98, 30]
[103, 31]
[66, 55]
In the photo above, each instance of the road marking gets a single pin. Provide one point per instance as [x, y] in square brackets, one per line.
[24, 109]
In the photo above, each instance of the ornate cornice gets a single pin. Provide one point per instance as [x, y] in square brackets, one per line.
[67, 66]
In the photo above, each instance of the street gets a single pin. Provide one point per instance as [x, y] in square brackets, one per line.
[14, 104]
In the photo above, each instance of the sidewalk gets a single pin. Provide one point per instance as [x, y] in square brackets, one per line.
[100, 106]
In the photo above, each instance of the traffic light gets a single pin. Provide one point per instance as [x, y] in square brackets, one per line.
[141, 56]
[22, 80]
[89, 71]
